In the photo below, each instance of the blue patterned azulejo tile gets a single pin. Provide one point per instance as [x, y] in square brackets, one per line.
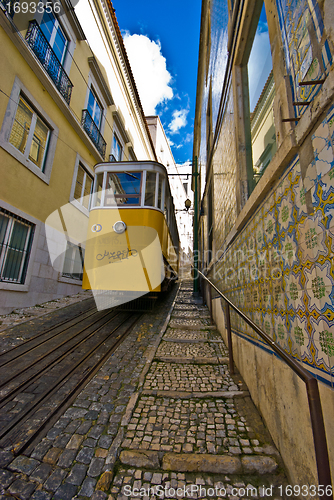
[311, 240]
[294, 292]
[323, 341]
[301, 341]
[289, 252]
[319, 286]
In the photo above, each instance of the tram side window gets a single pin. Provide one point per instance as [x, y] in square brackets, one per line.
[150, 189]
[166, 211]
[123, 188]
[160, 191]
[97, 200]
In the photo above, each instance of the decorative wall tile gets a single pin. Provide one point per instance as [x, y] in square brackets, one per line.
[281, 265]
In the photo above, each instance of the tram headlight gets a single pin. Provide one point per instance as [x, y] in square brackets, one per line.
[119, 227]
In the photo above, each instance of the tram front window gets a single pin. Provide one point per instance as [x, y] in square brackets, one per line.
[123, 188]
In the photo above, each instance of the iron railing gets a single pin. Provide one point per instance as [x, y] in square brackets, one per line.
[43, 50]
[93, 132]
[312, 388]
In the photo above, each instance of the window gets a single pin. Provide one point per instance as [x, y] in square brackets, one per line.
[93, 121]
[97, 196]
[261, 87]
[150, 188]
[83, 186]
[94, 108]
[15, 244]
[160, 191]
[30, 134]
[73, 263]
[55, 35]
[123, 188]
[117, 148]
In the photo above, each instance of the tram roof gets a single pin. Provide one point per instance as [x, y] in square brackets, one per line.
[120, 166]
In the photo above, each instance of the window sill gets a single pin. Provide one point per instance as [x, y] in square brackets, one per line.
[14, 287]
[25, 161]
[69, 281]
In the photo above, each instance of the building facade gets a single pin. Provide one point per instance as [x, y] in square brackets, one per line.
[264, 140]
[68, 101]
[179, 178]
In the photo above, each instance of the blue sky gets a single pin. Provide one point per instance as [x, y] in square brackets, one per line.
[162, 40]
[260, 61]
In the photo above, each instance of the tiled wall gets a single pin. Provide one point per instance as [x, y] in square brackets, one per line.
[224, 178]
[280, 269]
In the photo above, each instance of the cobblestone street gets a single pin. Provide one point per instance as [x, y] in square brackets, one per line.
[162, 418]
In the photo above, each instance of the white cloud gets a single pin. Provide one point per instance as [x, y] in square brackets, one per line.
[149, 70]
[179, 120]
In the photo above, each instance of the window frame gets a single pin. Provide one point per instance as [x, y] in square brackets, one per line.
[8, 123]
[119, 196]
[69, 35]
[27, 153]
[55, 27]
[38, 230]
[97, 104]
[5, 247]
[115, 138]
[93, 85]
[77, 203]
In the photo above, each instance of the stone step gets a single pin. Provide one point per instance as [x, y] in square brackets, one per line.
[192, 359]
[206, 335]
[195, 462]
[191, 324]
[192, 341]
[196, 395]
[158, 483]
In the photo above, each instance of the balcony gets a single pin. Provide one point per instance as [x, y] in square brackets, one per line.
[93, 132]
[40, 46]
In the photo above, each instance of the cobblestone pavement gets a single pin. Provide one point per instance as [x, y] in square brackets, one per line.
[155, 427]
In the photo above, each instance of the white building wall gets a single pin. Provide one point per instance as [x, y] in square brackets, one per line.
[165, 156]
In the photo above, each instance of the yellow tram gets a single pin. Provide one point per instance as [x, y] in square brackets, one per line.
[132, 244]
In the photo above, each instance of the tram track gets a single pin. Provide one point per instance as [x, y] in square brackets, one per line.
[45, 357]
[12, 352]
[38, 392]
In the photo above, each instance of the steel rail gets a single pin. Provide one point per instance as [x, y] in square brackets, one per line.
[78, 388]
[27, 381]
[45, 332]
[52, 350]
[6, 440]
[312, 389]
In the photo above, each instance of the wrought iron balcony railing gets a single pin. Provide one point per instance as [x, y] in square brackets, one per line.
[93, 132]
[41, 47]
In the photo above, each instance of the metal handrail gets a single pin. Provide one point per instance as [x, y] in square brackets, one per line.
[312, 388]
